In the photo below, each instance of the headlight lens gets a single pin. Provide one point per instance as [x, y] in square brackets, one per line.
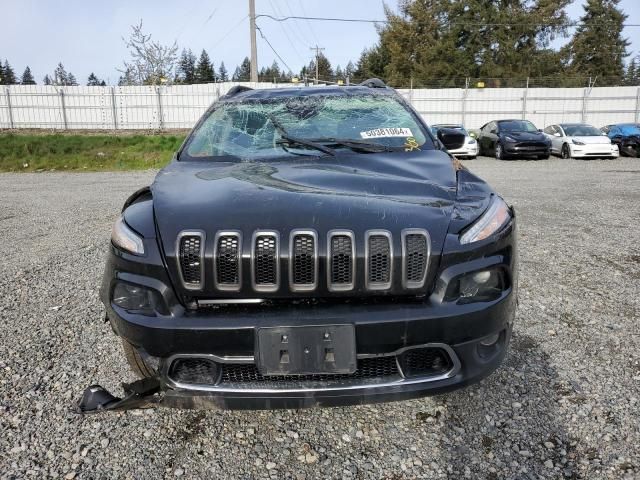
[125, 238]
[496, 216]
[471, 141]
[577, 142]
[138, 299]
[509, 139]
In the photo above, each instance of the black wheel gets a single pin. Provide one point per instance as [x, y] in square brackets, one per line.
[135, 361]
[565, 152]
[500, 155]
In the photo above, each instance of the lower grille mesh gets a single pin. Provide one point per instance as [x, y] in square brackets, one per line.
[381, 367]
[425, 361]
[190, 259]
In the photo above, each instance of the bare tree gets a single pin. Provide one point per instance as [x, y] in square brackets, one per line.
[151, 62]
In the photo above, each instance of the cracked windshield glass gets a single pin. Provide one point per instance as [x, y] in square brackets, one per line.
[307, 125]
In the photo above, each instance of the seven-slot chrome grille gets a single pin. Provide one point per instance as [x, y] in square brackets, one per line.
[302, 260]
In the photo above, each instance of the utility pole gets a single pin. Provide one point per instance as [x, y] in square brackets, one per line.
[254, 48]
[318, 50]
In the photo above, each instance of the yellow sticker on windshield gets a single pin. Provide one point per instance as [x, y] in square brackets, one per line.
[411, 144]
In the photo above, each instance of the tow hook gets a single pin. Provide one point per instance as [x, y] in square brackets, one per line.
[139, 394]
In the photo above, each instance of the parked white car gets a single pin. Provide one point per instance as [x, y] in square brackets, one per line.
[470, 147]
[579, 140]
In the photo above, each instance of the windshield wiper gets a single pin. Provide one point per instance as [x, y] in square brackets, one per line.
[286, 139]
[354, 144]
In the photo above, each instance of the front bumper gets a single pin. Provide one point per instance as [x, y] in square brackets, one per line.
[518, 150]
[468, 150]
[383, 327]
[593, 151]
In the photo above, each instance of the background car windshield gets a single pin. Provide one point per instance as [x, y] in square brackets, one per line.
[630, 129]
[435, 128]
[581, 131]
[246, 129]
[518, 126]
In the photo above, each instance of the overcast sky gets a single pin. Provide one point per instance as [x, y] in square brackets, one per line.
[86, 35]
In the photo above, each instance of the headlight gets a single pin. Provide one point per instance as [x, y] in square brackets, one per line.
[496, 216]
[507, 138]
[125, 238]
[471, 141]
[576, 142]
[138, 299]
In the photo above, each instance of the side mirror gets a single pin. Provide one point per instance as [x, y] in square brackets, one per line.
[540, 130]
[451, 139]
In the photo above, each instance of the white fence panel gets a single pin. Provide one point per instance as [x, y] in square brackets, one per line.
[180, 106]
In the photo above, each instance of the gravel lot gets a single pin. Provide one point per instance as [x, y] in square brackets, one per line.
[566, 404]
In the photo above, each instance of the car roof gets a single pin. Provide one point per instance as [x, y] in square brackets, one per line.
[574, 124]
[448, 125]
[291, 92]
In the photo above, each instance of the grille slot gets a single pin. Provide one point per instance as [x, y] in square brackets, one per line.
[248, 376]
[303, 260]
[190, 258]
[420, 362]
[416, 249]
[340, 260]
[378, 259]
[265, 258]
[228, 252]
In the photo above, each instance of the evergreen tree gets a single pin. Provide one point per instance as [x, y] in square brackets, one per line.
[103, 83]
[47, 80]
[8, 75]
[71, 80]
[458, 38]
[60, 75]
[94, 81]
[632, 75]
[186, 72]
[223, 75]
[27, 77]
[1, 71]
[325, 72]
[339, 73]
[243, 72]
[205, 73]
[597, 47]
[350, 69]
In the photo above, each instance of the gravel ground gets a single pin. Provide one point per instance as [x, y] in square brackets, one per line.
[566, 403]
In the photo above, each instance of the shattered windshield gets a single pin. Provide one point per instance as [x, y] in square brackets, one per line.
[307, 125]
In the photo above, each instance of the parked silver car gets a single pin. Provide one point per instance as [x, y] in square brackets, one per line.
[579, 140]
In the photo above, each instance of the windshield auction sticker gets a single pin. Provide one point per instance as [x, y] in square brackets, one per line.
[387, 132]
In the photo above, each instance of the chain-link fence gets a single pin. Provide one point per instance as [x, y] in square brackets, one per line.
[180, 106]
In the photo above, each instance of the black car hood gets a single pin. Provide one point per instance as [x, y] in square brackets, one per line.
[525, 136]
[358, 192]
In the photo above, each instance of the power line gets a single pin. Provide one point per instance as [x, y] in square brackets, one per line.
[292, 43]
[273, 49]
[229, 32]
[477, 24]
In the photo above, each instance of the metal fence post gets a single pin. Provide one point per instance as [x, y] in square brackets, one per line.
[160, 120]
[63, 108]
[638, 106]
[11, 125]
[585, 94]
[113, 108]
[464, 100]
[524, 100]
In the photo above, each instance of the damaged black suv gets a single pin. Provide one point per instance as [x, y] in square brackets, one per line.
[312, 246]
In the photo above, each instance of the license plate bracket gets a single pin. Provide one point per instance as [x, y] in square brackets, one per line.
[306, 350]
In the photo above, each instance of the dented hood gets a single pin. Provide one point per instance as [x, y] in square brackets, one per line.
[390, 191]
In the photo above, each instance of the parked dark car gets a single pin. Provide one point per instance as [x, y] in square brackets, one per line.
[312, 246]
[513, 139]
[626, 136]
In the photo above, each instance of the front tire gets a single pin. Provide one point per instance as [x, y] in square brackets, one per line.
[135, 361]
[500, 152]
[565, 152]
